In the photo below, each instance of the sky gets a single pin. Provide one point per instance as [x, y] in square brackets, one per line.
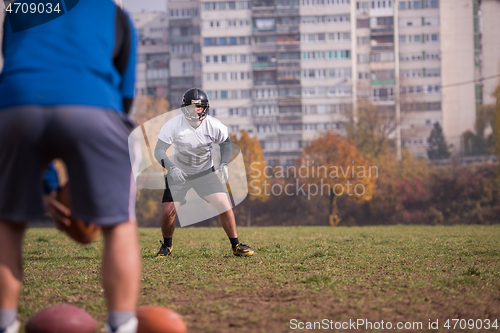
[137, 6]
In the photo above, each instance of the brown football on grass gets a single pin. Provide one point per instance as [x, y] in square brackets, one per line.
[156, 319]
[61, 318]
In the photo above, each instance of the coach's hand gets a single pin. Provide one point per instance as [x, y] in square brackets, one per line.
[58, 211]
[224, 172]
[178, 176]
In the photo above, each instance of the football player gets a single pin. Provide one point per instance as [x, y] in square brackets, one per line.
[66, 88]
[192, 134]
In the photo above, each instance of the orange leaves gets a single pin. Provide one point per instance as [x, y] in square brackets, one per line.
[255, 164]
[334, 160]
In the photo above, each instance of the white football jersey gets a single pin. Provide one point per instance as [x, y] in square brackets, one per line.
[192, 147]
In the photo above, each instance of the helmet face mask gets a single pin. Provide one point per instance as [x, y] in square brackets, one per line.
[197, 98]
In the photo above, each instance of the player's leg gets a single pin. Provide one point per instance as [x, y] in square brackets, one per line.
[168, 219]
[11, 273]
[226, 216]
[214, 192]
[103, 192]
[121, 269]
[167, 228]
[21, 130]
[167, 222]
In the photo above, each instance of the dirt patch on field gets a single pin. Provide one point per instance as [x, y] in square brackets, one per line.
[274, 308]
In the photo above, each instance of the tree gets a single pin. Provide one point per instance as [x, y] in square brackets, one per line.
[255, 166]
[483, 140]
[333, 162]
[148, 107]
[372, 128]
[438, 149]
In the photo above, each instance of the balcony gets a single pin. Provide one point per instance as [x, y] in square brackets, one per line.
[287, 29]
[264, 82]
[289, 118]
[288, 47]
[287, 100]
[263, 12]
[264, 47]
[382, 31]
[288, 81]
[156, 82]
[264, 65]
[289, 64]
[388, 82]
[179, 39]
[287, 11]
[265, 119]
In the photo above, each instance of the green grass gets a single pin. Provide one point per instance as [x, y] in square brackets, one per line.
[396, 273]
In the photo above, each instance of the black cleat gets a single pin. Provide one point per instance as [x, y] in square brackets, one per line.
[242, 250]
[164, 251]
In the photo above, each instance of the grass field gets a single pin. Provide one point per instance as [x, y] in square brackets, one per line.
[394, 274]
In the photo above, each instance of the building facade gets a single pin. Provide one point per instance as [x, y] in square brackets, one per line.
[288, 70]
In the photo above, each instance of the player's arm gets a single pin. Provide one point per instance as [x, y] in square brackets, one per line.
[124, 56]
[225, 151]
[177, 174]
[161, 154]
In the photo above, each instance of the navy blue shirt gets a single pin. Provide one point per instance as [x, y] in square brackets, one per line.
[84, 57]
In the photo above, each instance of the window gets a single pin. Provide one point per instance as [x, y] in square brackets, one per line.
[434, 37]
[416, 4]
[402, 39]
[223, 58]
[364, 23]
[232, 40]
[416, 39]
[363, 40]
[402, 5]
[216, 59]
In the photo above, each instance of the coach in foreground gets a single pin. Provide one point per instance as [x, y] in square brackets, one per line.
[65, 89]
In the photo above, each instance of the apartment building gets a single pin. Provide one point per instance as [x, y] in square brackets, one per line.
[169, 51]
[184, 49]
[152, 69]
[279, 69]
[419, 64]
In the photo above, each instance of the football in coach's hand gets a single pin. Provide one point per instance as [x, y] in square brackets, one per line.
[61, 318]
[80, 231]
[156, 319]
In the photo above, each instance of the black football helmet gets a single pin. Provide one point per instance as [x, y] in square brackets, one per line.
[197, 97]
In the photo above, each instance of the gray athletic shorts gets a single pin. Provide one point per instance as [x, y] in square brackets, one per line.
[93, 143]
[203, 186]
